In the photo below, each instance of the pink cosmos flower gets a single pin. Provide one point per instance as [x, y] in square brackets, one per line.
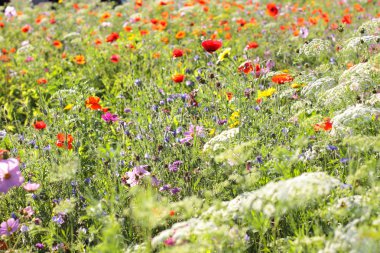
[31, 187]
[10, 174]
[28, 211]
[9, 227]
[133, 177]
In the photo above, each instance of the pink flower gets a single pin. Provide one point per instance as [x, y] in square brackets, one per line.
[169, 242]
[133, 177]
[28, 211]
[31, 187]
[115, 58]
[193, 131]
[10, 174]
[9, 227]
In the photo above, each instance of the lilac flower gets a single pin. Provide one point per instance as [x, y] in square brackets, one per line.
[304, 32]
[193, 131]
[222, 122]
[331, 147]
[9, 227]
[127, 110]
[10, 12]
[109, 117]
[165, 188]
[28, 211]
[10, 174]
[24, 228]
[39, 245]
[344, 160]
[155, 181]
[134, 176]
[59, 219]
[270, 64]
[173, 167]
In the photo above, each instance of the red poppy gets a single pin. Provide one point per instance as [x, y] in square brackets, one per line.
[326, 125]
[347, 19]
[272, 9]
[93, 103]
[211, 45]
[64, 139]
[171, 212]
[177, 53]
[230, 95]
[178, 78]
[112, 37]
[252, 45]
[26, 28]
[282, 78]
[39, 125]
[115, 58]
[246, 67]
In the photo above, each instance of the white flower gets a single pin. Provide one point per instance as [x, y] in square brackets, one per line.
[3, 133]
[10, 12]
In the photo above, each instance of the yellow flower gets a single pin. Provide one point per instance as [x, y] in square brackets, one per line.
[68, 107]
[296, 85]
[266, 93]
[212, 132]
[224, 54]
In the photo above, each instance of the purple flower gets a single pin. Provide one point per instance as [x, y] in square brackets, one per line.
[165, 188]
[175, 190]
[127, 110]
[344, 160]
[40, 245]
[222, 122]
[270, 64]
[331, 147]
[59, 219]
[155, 181]
[10, 174]
[109, 117]
[173, 167]
[10, 12]
[9, 227]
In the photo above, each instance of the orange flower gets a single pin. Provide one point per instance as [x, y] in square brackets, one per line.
[229, 95]
[98, 42]
[282, 78]
[79, 59]
[180, 35]
[347, 19]
[252, 45]
[246, 67]
[93, 103]
[42, 81]
[156, 55]
[57, 44]
[112, 37]
[178, 78]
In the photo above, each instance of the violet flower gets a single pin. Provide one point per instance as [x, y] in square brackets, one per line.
[9, 227]
[109, 117]
[134, 176]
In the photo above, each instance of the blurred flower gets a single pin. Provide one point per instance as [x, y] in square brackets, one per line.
[64, 139]
[10, 174]
[272, 9]
[193, 131]
[115, 58]
[3, 133]
[133, 177]
[173, 167]
[326, 125]
[265, 93]
[251, 45]
[57, 44]
[282, 78]
[39, 125]
[177, 53]
[304, 32]
[112, 37]
[31, 187]
[9, 227]
[224, 54]
[80, 59]
[93, 103]
[178, 78]
[10, 12]
[39, 245]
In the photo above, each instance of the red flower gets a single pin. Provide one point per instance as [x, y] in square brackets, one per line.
[171, 212]
[177, 53]
[115, 58]
[272, 9]
[42, 81]
[326, 125]
[347, 19]
[39, 125]
[64, 139]
[178, 78]
[112, 37]
[282, 78]
[246, 67]
[252, 45]
[211, 45]
[93, 103]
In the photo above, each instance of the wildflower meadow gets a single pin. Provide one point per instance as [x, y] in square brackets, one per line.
[190, 126]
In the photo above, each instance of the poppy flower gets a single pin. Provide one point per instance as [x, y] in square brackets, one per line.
[326, 125]
[272, 9]
[26, 28]
[57, 44]
[39, 125]
[64, 139]
[211, 45]
[229, 95]
[178, 78]
[282, 78]
[177, 53]
[112, 37]
[347, 19]
[115, 58]
[79, 59]
[93, 103]
[42, 81]
[246, 67]
[251, 45]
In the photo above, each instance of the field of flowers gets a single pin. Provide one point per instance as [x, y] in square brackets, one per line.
[190, 126]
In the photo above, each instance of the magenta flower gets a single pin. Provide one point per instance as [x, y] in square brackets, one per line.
[9, 227]
[10, 174]
[109, 117]
[169, 242]
[31, 187]
[193, 131]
